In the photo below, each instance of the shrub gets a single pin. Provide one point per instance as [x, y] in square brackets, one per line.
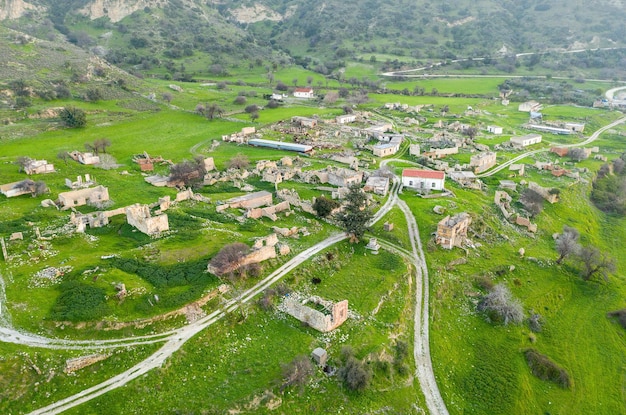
[354, 373]
[544, 368]
[500, 306]
[73, 117]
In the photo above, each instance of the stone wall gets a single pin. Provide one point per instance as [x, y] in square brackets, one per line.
[139, 216]
[336, 314]
[269, 211]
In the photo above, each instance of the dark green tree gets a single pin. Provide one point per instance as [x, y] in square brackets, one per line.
[73, 117]
[323, 206]
[356, 214]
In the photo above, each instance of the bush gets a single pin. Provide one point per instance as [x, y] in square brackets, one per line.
[354, 373]
[500, 306]
[545, 369]
[73, 117]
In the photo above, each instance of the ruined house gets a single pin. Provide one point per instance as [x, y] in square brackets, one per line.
[452, 231]
[304, 121]
[341, 177]
[80, 183]
[23, 187]
[378, 185]
[249, 201]
[544, 192]
[263, 249]
[139, 216]
[89, 196]
[503, 201]
[84, 158]
[483, 161]
[320, 314]
[38, 167]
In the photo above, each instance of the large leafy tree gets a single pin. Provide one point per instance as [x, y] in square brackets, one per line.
[356, 214]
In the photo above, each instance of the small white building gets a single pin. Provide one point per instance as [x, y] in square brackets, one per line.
[414, 150]
[345, 119]
[303, 93]
[385, 149]
[423, 179]
[494, 129]
[526, 140]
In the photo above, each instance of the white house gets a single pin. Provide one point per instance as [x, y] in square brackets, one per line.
[385, 149]
[423, 179]
[345, 119]
[494, 129]
[526, 140]
[303, 93]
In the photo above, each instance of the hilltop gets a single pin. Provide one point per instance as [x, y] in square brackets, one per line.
[188, 38]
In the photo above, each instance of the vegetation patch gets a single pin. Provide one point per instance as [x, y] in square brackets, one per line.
[544, 368]
[79, 302]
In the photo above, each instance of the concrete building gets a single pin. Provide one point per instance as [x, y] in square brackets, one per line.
[423, 179]
[452, 231]
[483, 161]
[92, 195]
[414, 150]
[280, 145]
[526, 140]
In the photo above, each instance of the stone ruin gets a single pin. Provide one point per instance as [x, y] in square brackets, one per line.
[269, 211]
[80, 183]
[139, 216]
[545, 193]
[525, 222]
[452, 231]
[293, 198]
[320, 314]
[89, 196]
[503, 201]
[77, 363]
[262, 249]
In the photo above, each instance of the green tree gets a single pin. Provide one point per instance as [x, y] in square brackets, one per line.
[73, 117]
[356, 214]
[323, 206]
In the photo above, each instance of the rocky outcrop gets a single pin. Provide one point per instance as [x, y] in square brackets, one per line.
[116, 10]
[14, 9]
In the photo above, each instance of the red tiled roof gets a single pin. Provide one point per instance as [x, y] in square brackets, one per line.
[424, 174]
[303, 90]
